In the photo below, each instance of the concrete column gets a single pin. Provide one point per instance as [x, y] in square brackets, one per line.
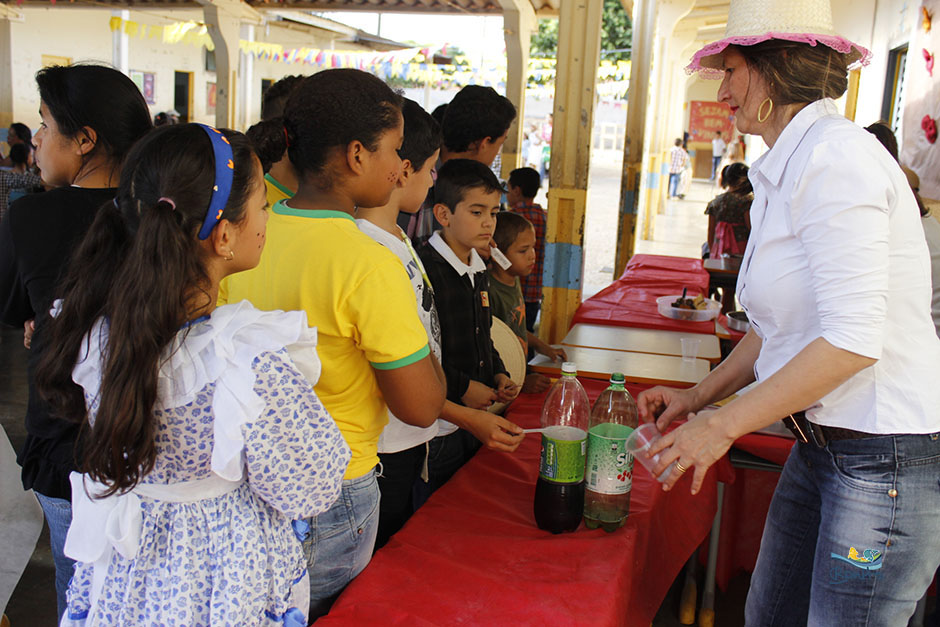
[249, 105]
[518, 23]
[119, 45]
[576, 74]
[641, 55]
[223, 19]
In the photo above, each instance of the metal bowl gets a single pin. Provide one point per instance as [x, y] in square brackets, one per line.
[737, 321]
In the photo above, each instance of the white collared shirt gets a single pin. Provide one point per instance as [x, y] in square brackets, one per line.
[476, 263]
[837, 251]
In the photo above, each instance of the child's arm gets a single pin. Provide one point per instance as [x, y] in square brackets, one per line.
[493, 431]
[546, 349]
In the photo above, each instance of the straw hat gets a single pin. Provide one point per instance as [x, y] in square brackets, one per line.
[510, 351]
[753, 21]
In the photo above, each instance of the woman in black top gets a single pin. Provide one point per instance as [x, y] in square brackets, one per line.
[80, 145]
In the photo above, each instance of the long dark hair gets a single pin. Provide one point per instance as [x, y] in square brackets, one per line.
[138, 268]
[98, 97]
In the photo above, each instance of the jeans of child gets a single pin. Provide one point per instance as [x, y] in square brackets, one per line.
[674, 183]
[399, 472]
[852, 536]
[340, 543]
[58, 513]
[446, 455]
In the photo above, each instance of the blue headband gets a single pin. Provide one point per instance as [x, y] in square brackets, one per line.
[224, 173]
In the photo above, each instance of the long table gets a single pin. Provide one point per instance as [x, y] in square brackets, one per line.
[473, 554]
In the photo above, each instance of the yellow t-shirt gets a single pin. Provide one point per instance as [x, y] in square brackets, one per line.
[276, 192]
[357, 294]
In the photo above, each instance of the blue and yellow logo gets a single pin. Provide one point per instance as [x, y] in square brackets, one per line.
[869, 559]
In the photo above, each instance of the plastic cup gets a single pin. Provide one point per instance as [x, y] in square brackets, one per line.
[639, 443]
[689, 348]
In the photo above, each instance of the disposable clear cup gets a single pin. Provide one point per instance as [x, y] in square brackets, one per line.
[639, 444]
[689, 348]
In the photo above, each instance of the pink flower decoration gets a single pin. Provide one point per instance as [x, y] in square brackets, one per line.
[929, 125]
[929, 59]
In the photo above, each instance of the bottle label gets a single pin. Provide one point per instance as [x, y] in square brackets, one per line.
[563, 452]
[609, 465]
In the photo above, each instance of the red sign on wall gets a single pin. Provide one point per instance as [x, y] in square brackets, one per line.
[706, 118]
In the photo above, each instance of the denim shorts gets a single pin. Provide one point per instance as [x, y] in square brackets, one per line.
[852, 536]
[340, 543]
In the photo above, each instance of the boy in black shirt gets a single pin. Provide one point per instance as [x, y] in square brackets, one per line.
[467, 194]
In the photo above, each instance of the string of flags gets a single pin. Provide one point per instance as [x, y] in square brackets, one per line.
[414, 65]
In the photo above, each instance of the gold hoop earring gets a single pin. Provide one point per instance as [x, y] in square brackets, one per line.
[763, 118]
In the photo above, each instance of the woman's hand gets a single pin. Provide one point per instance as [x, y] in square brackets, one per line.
[664, 405]
[697, 445]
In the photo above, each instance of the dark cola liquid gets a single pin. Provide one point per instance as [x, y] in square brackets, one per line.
[558, 506]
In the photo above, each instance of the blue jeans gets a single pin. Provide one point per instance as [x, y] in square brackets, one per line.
[58, 513]
[852, 536]
[674, 183]
[716, 161]
[341, 539]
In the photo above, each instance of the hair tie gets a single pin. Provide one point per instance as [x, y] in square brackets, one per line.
[286, 137]
[224, 174]
[168, 201]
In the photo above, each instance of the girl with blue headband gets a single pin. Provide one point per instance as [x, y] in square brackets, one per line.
[204, 441]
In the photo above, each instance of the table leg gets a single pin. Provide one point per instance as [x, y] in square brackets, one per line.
[706, 616]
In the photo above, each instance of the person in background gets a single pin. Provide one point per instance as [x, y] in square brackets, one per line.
[515, 238]
[19, 135]
[15, 183]
[467, 194]
[885, 135]
[475, 125]
[729, 221]
[678, 163]
[836, 285]
[344, 128]
[718, 152]
[80, 148]
[270, 141]
[201, 430]
[524, 184]
[403, 448]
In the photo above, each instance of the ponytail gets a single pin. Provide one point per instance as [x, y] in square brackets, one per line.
[269, 139]
[160, 282]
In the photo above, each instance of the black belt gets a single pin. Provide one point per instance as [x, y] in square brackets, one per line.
[812, 433]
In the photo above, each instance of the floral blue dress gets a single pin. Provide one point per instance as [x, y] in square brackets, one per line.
[243, 448]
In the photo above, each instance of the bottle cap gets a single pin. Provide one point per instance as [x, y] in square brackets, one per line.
[617, 377]
[569, 367]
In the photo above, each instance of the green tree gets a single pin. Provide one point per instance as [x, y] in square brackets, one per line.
[616, 34]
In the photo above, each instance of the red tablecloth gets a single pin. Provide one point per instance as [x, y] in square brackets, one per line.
[473, 554]
[682, 264]
[633, 304]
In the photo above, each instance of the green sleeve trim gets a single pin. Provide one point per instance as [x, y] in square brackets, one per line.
[404, 361]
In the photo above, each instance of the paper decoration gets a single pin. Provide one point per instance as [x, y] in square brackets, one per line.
[928, 59]
[926, 17]
[929, 126]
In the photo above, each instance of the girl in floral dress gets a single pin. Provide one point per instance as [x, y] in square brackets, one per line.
[729, 222]
[202, 440]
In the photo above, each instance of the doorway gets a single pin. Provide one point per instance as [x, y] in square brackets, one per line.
[183, 95]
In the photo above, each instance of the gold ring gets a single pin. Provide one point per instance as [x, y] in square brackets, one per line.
[680, 467]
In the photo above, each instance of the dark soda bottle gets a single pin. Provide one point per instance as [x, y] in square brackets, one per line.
[609, 471]
[559, 492]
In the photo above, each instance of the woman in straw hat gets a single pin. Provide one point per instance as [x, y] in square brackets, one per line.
[836, 283]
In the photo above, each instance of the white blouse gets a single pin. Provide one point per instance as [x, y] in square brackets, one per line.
[837, 251]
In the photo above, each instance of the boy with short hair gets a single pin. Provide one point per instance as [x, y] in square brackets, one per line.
[467, 195]
[515, 238]
[524, 184]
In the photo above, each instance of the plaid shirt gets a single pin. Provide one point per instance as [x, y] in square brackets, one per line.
[467, 351]
[10, 181]
[532, 284]
[679, 159]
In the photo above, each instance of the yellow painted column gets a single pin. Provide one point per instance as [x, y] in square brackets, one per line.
[6, 72]
[518, 23]
[579, 26]
[644, 22]
[223, 21]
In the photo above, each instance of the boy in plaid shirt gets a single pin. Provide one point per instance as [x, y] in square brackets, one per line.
[467, 196]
